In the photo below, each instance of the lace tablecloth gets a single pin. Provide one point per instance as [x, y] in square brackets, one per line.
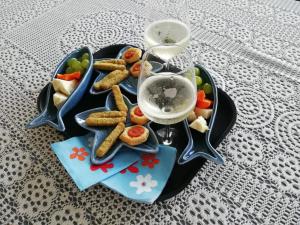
[254, 46]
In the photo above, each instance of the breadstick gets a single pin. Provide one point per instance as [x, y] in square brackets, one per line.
[111, 79]
[92, 121]
[110, 140]
[119, 98]
[108, 66]
[114, 61]
[107, 114]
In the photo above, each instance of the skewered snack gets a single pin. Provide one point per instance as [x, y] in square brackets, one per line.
[110, 140]
[119, 98]
[111, 79]
[114, 61]
[137, 116]
[135, 135]
[108, 66]
[108, 114]
[132, 55]
[92, 121]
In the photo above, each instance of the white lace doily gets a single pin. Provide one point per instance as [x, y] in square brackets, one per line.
[253, 47]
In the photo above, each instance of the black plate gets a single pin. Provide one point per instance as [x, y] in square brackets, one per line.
[181, 174]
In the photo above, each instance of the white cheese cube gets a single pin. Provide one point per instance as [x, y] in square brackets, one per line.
[64, 86]
[59, 99]
[199, 124]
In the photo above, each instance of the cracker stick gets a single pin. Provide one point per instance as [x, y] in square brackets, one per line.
[108, 114]
[110, 140]
[92, 121]
[108, 66]
[119, 98]
[111, 79]
[114, 61]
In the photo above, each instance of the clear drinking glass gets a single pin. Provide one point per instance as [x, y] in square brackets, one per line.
[167, 88]
[167, 21]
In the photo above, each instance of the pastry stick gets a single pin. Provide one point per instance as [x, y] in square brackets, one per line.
[108, 66]
[110, 140]
[111, 79]
[119, 98]
[114, 61]
[94, 122]
[108, 114]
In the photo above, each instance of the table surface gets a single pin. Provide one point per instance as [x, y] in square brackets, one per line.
[253, 45]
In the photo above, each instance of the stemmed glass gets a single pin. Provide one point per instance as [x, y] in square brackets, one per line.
[167, 96]
[167, 21]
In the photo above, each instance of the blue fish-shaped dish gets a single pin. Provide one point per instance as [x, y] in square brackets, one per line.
[53, 116]
[199, 144]
[130, 83]
[150, 146]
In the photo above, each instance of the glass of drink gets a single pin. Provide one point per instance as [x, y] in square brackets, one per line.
[167, 22]
[169, 95]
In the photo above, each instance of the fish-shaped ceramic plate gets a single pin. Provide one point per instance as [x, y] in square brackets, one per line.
[199, 144]
[150, 146]
[130, 83]
[53, 116]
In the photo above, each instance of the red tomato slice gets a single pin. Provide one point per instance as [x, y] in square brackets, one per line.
[136, 67]
[204, 104]
[200, 95]
[136, 131]
[137, 111]
[129, 54]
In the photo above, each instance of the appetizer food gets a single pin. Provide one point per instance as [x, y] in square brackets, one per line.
[203, 109]
[111, 79]
[64, 86]
[132, 55]
[119, 98]
[114, 61]
[110, 140]
[93, 121]
[108, 66]
[199, 124]
[137, 116]
[59, 99]
[108, 114]
[135, 135]
[69, 76]
[135, 69]
[81, 64]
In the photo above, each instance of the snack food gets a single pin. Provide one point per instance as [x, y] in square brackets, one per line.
[132, 55]
[64, 86]
[135, 69]
[108, 66]
[111, 79]
[119, 98]
[137, 116]
[135, 135]
[108, 114]
[199, 124]
[110, 140]
[59, 99]
[93, 121]
[114, 61]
